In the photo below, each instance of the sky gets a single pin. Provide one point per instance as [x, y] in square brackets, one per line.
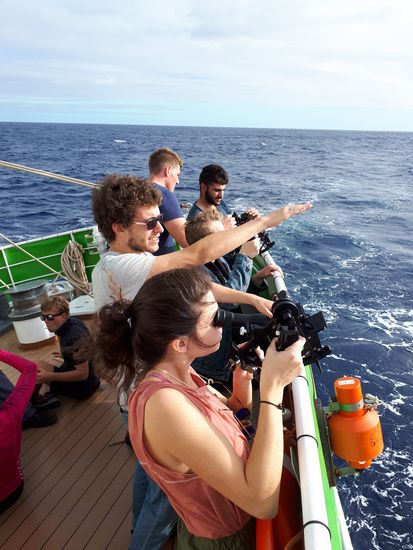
[333, 64]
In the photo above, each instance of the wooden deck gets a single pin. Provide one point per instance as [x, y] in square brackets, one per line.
[77, 491]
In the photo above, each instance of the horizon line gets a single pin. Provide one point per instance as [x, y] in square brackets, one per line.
[202, 126]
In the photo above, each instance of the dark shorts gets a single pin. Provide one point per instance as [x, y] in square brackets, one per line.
[241, 540]
[77, 390]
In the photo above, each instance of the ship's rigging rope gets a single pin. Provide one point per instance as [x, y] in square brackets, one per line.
[21, 168]
[4, 283]
[31, 255]
[45, 173]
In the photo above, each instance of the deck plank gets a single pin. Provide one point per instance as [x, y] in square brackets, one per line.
[105, 525]
[121, 538]
[62, 469]
[68, 429]
[77, 490]
[64, 518]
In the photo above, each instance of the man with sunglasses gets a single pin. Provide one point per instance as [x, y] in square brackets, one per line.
[164, 171]
[127, 212]
[66, 372]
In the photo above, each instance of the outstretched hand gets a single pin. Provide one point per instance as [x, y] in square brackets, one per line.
[276, 217]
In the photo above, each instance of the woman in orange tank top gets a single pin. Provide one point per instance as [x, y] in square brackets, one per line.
[183, 431]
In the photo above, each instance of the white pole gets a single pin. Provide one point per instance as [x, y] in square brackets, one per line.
[315, 519]
[316, 535]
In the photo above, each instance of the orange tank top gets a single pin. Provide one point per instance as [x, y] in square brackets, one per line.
[205, 512]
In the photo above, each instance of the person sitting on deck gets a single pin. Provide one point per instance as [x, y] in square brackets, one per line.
[213, 180]
[126, 210]
[65, 372]
[11, 417]
[183, 431]
[237, 276]
[164, 170]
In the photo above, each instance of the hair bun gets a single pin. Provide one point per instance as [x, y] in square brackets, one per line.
[127, 312]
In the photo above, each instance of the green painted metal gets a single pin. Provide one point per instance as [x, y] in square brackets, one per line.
[17, 267]
[331, 507]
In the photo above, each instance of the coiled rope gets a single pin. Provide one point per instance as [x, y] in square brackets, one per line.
[72, 260]
[74, 267]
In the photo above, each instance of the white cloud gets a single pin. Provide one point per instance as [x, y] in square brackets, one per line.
[323, 53]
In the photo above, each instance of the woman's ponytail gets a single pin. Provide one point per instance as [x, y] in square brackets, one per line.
[112, 346]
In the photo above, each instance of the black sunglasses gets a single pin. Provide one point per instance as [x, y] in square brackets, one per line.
[50, 316]
[151, 223]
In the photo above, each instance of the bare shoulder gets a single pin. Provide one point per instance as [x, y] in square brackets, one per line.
[166, 400]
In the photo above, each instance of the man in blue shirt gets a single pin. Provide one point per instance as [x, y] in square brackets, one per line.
[164, 170]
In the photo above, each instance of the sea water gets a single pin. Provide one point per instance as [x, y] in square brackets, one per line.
[351, 256]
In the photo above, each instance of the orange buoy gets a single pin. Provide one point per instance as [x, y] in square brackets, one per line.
[355, 432]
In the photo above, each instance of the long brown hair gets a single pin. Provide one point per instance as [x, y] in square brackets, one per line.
[132, 337]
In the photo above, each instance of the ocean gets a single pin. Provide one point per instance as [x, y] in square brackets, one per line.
[351, 256]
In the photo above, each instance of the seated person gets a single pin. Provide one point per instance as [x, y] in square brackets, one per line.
[11, 417]
[183, 431]
[213, 180]
[65, 372]
[32, 417]
[238, 276]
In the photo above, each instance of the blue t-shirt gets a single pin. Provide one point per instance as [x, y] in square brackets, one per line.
[222, 207]
[171, 211]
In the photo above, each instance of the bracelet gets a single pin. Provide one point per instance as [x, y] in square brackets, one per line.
[279, 406]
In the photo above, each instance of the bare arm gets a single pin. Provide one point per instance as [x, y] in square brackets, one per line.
[182, 439]
[224, 295]
[241, 391]
[210, 248]
[265, 272]
[176, 229]
[15, 406]
[81, 372]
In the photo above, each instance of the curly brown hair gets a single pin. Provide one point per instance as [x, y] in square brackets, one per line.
[198, 227]
[116, 198]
